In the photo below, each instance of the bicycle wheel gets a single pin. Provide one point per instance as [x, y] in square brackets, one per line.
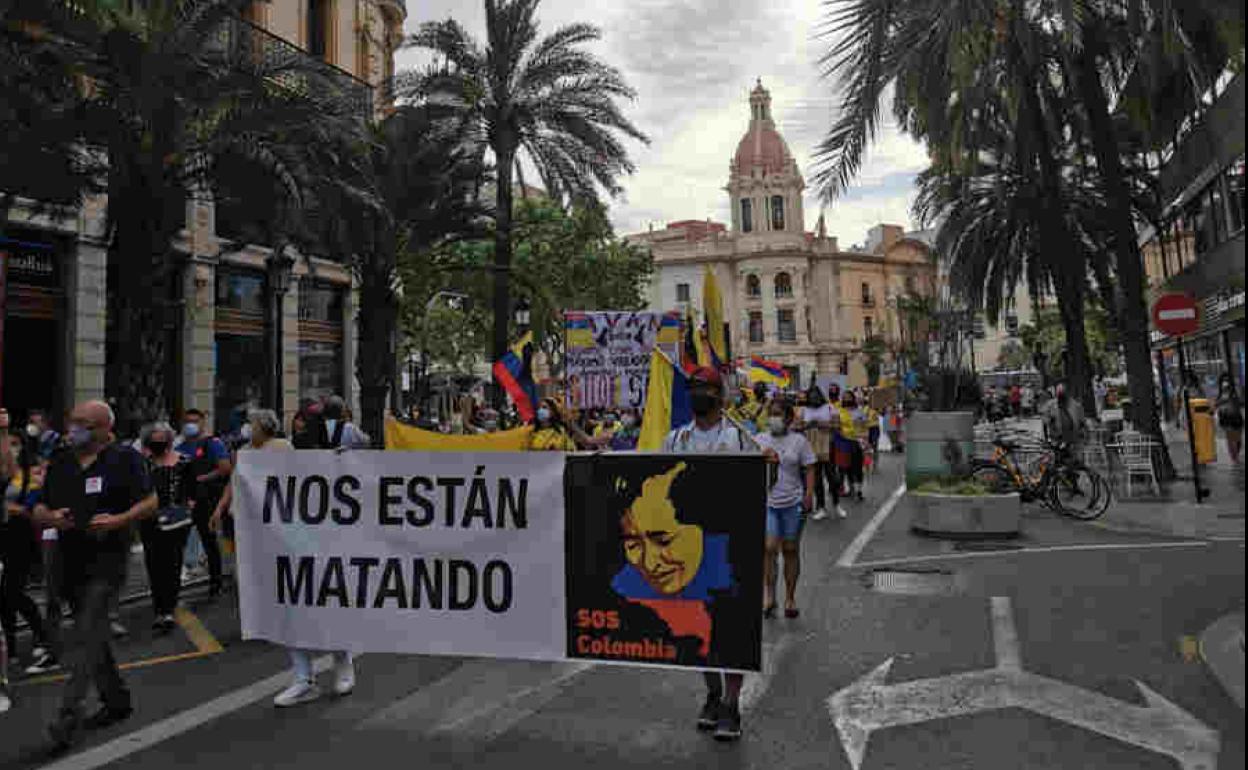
[994, 478]
[1079, 492]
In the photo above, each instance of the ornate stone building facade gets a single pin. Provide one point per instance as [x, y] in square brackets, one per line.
[55, 274]
[790, 295]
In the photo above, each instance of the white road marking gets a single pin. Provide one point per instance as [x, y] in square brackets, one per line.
[184, 721]
[1037, 549]
[1005, 636]
[1160, 726]
[757, 685]
[860, 542]
[485, 695]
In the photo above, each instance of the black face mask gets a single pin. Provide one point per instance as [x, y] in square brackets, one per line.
[703, 403]
[158, 447]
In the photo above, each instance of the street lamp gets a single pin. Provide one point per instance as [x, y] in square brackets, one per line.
[522, 316]
[279, 267]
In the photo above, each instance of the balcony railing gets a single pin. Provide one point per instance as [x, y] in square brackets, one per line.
[244, 42]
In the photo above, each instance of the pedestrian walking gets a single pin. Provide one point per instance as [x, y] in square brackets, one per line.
[816, 419]
[19, 548]
[210, 470]
[711, 433]
[93, 495]
[851, 430]
[339, 432]
[1230, 416]
[164, 535]
[789, 498]
[264, 437]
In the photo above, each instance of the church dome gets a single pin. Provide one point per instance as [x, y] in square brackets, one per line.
[762, 147]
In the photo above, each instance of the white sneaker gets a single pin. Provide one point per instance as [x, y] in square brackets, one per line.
[299, 692]
[840, 513]
[6, 703]
[819, 515]
[344, 678]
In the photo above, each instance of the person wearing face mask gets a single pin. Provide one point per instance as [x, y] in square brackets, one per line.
[210, 472]
[852, 430]
[93, 495]
[262, 437]
[625, 438]
[711, 433]
[164, 536]
[816, 419]
[20, 547]
[551, 432]
[37, 428]
[790, 496]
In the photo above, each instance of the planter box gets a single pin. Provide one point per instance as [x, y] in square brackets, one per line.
[928, 439]
[964, 516]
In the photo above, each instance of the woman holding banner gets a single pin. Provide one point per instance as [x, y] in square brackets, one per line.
[262, 429]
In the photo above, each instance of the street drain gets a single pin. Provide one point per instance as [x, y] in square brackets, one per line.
[970, 545]
[1230, 515]
[914, 583]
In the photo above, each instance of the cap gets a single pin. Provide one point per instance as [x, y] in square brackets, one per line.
[708, 375]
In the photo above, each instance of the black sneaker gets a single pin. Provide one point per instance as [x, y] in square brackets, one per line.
[107, 717]
[729, 726]
[708, 717]
[42, 664]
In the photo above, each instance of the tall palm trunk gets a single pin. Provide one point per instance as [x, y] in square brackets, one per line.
[1133, 320]
[506, 157]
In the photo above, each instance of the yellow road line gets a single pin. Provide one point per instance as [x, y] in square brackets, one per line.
[195, 630]
[52, 678]
[1190, 648]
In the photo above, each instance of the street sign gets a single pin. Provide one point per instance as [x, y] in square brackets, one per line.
[1176, 314]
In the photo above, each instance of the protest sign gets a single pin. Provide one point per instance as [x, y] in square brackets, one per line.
[653, 560]
[607, 357]
[665, 559]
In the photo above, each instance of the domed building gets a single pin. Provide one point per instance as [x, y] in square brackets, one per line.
[790, 295]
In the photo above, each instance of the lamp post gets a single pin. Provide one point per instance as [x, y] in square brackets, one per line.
[280, 272]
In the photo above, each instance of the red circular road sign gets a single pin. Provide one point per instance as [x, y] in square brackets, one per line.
[1176, 314]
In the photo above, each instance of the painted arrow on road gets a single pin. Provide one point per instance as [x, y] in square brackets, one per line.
[1161, 726]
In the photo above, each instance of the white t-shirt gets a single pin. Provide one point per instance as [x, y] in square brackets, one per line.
[795, 456]
[817, 414]
[690, 439]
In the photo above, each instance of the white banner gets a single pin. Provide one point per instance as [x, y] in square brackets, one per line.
[607, 358]
[404, 552]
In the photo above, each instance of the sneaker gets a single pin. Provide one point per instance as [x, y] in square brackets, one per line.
[118, 629]
[344, 678]
[6, 702]
[42, 664]
[708, 717]
[163, 624]
[729, 726]
[38, 652]
[841, 512]
[819, 515]
[299, 692]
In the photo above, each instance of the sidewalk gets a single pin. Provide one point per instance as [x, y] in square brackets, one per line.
[1175, 511]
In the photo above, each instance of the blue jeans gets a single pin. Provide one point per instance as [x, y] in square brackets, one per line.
[785, 523]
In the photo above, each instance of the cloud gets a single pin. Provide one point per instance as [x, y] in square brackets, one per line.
[693, 64]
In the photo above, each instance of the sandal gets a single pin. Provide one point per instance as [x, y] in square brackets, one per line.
[791, 612]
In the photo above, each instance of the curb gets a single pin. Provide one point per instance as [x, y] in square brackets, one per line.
[1222, 650]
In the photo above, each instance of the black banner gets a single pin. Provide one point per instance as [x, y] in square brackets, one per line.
[664, 562]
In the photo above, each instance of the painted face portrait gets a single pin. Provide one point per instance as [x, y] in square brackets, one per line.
[665, 552]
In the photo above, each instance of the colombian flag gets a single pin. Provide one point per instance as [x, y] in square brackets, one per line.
[514, 371]
[576, 327]
[669, 329]
[713, 311]
[667, 403]
[692, 354]
[762, 370]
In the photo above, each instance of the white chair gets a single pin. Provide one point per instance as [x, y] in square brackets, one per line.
[1136, 452]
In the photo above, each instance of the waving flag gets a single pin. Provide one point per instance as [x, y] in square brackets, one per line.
[514, 371]
[667, 403]
[692, 352]
[713, 310]
[762, 370]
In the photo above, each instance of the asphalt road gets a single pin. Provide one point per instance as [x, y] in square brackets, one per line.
[1021, 658]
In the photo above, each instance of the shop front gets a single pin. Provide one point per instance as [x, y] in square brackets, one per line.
[1216, 349]
[32, 295]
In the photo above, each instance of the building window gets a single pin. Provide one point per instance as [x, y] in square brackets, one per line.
[242, 292]
[784, 285]
[756, 326]
[867, 299]
[909, 284]
[320, 340]
[868, 328]
[682, 292]
[1235, 195]
[777, 212]
[1011, 324]
[747, 215]
[240, 348]
[786, 327]
[978, 329]
[753, 287]
[318, 21]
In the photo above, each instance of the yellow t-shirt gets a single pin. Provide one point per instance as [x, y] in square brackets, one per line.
[848, 429]
[551, 440]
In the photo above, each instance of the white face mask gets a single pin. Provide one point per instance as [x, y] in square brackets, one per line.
[245, 432]
[776, 425]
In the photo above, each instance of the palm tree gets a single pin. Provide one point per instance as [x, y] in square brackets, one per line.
[168, 89]
[548, 100]
[408, 189]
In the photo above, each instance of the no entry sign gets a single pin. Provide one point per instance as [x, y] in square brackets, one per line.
[1176, 315]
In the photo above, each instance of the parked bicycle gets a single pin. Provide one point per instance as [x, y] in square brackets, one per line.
[1059, 480]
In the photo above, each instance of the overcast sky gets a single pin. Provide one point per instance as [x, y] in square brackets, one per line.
[693, 64]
